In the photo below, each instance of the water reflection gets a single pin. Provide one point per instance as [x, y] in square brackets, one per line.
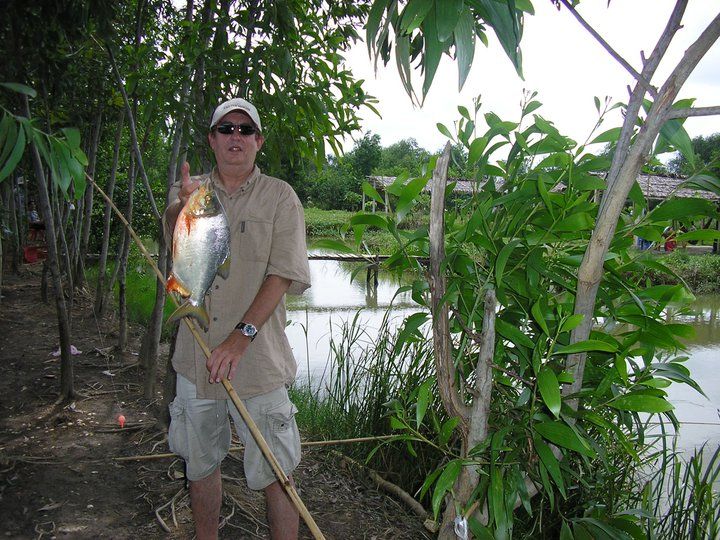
[338, 293]
[699, 415]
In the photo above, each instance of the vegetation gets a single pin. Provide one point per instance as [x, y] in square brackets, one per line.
[526, 413]
[701, 273]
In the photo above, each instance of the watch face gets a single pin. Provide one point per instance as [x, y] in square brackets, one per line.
[249, 330]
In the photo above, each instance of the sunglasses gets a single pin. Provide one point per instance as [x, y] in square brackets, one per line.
[227, 128]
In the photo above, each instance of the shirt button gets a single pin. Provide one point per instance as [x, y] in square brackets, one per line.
[217, 287]
[214, 318]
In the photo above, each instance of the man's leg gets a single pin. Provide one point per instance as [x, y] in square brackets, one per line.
[205, 501]
[282, 515]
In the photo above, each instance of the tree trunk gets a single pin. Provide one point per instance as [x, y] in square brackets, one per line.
[88, 203]
[122, 265]
[18, 225]
[67, 390]
[151, 339]
[100, 291]
[60, 235]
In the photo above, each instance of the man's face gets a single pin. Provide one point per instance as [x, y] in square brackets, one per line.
[235, 149]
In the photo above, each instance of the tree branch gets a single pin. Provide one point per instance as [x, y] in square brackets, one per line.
[645, 83]
[446, 372]
[636, 98]
[692, 111]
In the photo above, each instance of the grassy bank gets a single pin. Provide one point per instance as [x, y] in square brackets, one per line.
[701, 272]
[332, 223]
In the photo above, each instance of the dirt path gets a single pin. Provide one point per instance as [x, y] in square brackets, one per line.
[59, 476]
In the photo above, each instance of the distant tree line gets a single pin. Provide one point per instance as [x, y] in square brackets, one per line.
[337, 185]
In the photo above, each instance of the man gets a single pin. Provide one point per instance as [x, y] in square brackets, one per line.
[268, 257]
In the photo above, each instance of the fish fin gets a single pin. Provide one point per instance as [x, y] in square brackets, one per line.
[198, 313]
[224, 269]
[175, 284]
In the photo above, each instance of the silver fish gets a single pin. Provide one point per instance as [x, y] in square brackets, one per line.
[200, 250]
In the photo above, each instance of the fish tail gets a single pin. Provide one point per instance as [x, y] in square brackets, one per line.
[198, 313]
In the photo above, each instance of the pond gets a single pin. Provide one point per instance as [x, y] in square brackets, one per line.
[335, 299]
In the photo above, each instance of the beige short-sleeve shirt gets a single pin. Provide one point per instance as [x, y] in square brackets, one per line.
[267, 237]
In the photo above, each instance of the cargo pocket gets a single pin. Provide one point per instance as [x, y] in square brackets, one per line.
[178, 432]
[285, 435]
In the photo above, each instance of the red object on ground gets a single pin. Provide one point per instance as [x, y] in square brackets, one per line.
[121, 421]
[33, 254]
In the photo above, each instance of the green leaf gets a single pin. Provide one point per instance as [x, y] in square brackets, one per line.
[371, 192]
[8, 136]
[537, 314]
[549, 389]
[373, 22]
[445, 131]
[334, 245]
[72, 135]
[674, 132]
[572, 322]
[704, 182]
[369, 219]
[424, 399]
[585, 346]
[477, 147]
[702, 235]
[447, 13]
[447, 429]
[609, 136]
[551, 463]
[414, 14]
[497, 501]
[506, 24]
[682, 208]
[565, 532]
[641, 403]
[408, 195]
[582, 221]
[511, 333]
[502, 259]
[433, 50]
[444, 483]
[561, 434]
[402, 58]
[20, 88]
[464, 45]
[15, 156]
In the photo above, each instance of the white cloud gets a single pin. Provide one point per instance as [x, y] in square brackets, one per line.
[561, 61]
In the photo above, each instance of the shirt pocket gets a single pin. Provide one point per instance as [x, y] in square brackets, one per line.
[255, 239]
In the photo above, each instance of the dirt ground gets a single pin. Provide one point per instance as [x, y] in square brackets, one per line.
[59, 472]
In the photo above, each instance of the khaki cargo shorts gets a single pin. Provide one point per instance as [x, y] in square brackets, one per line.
[200, 433]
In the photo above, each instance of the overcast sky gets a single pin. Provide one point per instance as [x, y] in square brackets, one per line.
[561, 61]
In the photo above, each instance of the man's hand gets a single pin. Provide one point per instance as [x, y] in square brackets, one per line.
[188, 186]
[225, 357]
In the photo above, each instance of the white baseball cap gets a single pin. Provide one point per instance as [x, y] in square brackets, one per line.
[236, 104]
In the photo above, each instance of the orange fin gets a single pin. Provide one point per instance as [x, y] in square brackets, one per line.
[224, 269]
[174, 284]
[199, 313]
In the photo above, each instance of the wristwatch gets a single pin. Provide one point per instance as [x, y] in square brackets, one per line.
[247, 329]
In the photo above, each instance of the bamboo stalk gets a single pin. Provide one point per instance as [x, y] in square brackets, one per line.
[147, 457]
[255, 432]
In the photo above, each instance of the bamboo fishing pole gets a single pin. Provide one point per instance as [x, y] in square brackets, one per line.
[259, 439]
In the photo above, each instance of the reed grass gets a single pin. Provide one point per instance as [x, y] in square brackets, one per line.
[366, 370]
